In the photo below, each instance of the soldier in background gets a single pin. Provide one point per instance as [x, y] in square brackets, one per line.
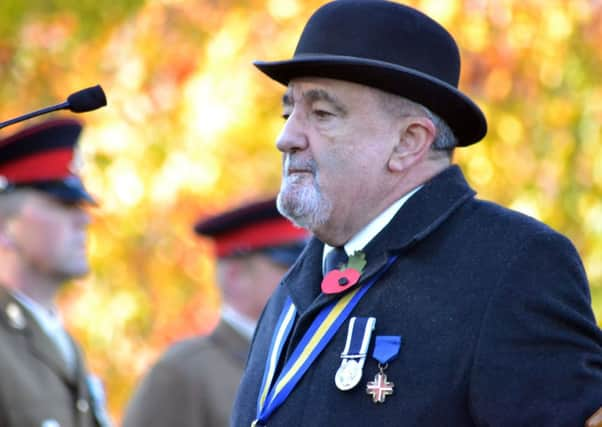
[43, 230]
[195, 382]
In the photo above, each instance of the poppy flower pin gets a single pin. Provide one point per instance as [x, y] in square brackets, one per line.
[348, 275]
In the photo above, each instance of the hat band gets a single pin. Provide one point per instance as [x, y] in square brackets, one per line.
[260, 235]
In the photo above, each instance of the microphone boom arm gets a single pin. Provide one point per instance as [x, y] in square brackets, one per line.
[36, 113]
[81, 101]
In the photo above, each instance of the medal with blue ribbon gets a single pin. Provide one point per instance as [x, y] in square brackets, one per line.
[273, 393]
[349, 373]
[386, 348]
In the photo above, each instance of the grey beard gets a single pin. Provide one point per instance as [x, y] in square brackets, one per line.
[304, 205]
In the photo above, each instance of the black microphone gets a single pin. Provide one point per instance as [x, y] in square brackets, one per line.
[81, 101]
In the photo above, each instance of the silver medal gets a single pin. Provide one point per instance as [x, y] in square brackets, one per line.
[353, 357]
[348, 375]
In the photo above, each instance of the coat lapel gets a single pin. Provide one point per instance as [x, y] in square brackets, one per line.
[231, 342]
[22, 321]
[303, 279]
[47, 351]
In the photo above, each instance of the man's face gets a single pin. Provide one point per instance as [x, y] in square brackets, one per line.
[49, 237]
[336, 141]
[264, 275]
[247, 281]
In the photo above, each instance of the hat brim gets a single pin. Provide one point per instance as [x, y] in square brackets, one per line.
[68, 191]
[463, 116]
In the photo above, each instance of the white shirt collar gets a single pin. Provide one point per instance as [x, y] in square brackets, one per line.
[52, 324]
[242, 324]
[365, 235]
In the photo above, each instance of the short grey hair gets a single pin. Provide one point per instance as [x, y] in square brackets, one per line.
[445, 140]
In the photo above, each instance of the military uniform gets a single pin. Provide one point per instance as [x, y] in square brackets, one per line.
[202, 374]
[195, 382]
[43, 379]
[37, 388]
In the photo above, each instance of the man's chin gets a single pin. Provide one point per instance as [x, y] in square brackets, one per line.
[302, 209]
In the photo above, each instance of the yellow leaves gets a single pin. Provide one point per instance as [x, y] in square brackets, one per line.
[119, 306]
[197, 174]
[498, 84]
[475, 34]
[559, 112]
[593, 104]
[283, 9]
[479, 168]
[210, 105]
[590, 208]
[52, 34]
[527, 205]
[127, 185]
[442, 11]
[510, 129]
[557, 22]
[597, 166]
[231, 38]
[521, 32]
[550, 73]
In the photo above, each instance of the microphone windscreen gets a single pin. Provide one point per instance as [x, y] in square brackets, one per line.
[87, 99]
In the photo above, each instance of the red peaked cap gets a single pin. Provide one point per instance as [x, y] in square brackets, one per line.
[254, 227]
[42, 157]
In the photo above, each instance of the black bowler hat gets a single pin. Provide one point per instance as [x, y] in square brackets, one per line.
[44, 157]
[254, 227]
[388, 46]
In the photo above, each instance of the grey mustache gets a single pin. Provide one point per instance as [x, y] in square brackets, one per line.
[300, 165]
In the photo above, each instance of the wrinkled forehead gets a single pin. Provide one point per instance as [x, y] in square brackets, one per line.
[336, 92]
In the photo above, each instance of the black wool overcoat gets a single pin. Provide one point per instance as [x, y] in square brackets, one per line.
[494, 312]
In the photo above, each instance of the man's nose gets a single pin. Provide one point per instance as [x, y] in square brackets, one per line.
[293, 135]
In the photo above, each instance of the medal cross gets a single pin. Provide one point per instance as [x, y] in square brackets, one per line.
[380, 388]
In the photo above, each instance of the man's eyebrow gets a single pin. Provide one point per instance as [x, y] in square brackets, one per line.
[314, 95]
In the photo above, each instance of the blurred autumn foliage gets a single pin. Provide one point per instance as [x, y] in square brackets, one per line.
[190, 126]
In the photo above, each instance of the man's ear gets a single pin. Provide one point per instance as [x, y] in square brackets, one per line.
[415, 139]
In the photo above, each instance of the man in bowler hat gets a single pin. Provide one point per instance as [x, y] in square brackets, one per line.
[43, 228]
[416, 304]
[195, 382]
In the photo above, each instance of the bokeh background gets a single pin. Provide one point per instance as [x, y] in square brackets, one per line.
[190, 130]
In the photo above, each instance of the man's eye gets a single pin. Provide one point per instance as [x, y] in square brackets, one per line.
[322, 114]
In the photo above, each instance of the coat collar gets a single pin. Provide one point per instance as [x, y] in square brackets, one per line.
[231, 341]
[424, 212]
[19, 319]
